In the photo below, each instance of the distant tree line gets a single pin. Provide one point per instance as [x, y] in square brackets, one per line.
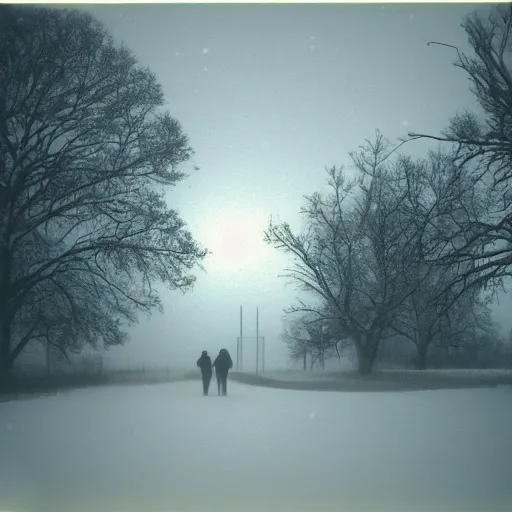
[86, 154]
[410, 252]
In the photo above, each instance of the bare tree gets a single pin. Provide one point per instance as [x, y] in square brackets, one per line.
[437, 284]
[296, 339]
[469, 325]
[354, 251]
[482, 145]
[86, 154]
[322, 343]
[305, 336]
[428, 316]
[469, 335]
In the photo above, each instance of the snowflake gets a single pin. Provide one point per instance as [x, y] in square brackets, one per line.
[205, 51]
[312, 38]
[411, 16]
[177, 54]
[312, 416]
[405, 122]
[205, 69]
[312, 47]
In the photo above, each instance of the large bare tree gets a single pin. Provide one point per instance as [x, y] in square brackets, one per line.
[482, 144]
[354, 251]
[436, 198]
[86, 154]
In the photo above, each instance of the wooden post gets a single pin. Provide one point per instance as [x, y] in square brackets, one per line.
[263, 355]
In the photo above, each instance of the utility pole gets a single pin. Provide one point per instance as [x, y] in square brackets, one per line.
[263, 354]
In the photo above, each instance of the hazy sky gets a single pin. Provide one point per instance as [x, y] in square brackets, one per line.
[269, 95]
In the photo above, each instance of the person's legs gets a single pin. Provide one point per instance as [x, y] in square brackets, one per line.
[207, 384]
[224, 383]
[219, 380]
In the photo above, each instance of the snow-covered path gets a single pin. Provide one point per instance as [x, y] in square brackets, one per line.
[166, 447]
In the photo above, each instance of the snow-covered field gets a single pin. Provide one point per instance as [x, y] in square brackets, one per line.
[308, 376]
[455, 372]
[166, 447]
[296, 376]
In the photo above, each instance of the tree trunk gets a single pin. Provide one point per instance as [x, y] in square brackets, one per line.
[364, 364]
[5, 347]
[5, 312]
[366, 349]
[305, 368]
[420, 361]
[424, 340]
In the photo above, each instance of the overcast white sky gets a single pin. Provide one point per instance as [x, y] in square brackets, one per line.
[269, 95]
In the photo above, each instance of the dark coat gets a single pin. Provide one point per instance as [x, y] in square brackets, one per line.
[223, 363]
[205, 363]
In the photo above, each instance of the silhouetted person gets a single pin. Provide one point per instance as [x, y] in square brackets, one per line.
[222, 365]
[205, 363]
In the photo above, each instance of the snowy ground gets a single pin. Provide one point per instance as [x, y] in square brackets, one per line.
[299, 375]
[165, 447]
[382, 380]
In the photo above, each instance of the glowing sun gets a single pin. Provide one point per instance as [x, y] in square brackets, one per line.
[236, 242]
